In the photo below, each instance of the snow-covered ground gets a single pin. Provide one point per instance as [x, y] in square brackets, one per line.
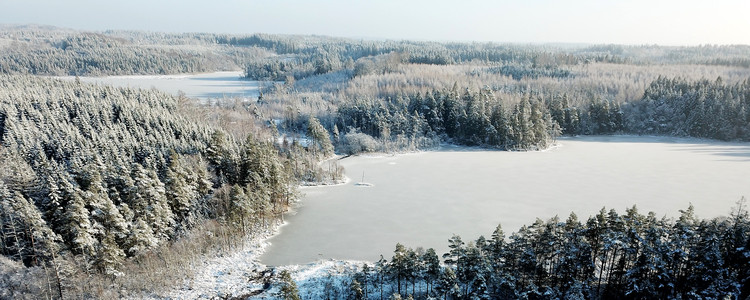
[241, 275]
[321, 280]
[230, 275]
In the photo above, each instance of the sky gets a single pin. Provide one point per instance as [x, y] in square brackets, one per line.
[635, 22]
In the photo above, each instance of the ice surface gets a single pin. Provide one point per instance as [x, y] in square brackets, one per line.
[423, 199]
[217, 85]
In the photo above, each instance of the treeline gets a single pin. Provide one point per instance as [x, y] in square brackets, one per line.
[707, 109]
[358, 58]
[54, 51]
[92, 176]
[60, 52]
[726, 55]
[517, 71]
[477, 118]
[672, 107]
[463, 117]
[609, 256]
[304, 56]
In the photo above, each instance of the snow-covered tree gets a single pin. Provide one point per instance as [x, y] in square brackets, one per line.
[288, 289]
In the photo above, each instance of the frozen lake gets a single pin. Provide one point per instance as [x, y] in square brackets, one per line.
[217, 85]
[422, 199]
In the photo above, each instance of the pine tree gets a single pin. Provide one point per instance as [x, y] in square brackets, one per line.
[474, 272]
[363, 278]
[336, 135]
[576, 266]
[23, 232]
[736, 238]
[241, 208]
[500, 283]
[381, 268]
[684, 239]
[499, 121]
[432, 267]
[456, 251]
[709, 277]
[522, 255]
[399, 266]
[522, 126]
[11, 240]
[355, 289]
[105, 215]
[222, 156]
[452, 114]
[540, 124]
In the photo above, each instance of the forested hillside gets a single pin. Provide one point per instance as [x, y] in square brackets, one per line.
[79, 149]
[93, 176]
[54, 51]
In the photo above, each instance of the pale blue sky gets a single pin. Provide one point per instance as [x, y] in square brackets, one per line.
[665, 22]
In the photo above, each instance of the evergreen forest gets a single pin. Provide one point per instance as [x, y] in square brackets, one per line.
[112, 192]
[608, 256]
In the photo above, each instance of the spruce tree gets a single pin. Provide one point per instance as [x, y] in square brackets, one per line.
[288, 287]
[448, 286]
[180, 194]
[78, 227]
[321, 141]
[147, 198]
[109, 255]
[141, 238]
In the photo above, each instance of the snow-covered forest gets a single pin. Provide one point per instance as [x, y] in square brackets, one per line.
[610, 255]
[409, 95]
[54, 51]
[97, 180]
[110, 192]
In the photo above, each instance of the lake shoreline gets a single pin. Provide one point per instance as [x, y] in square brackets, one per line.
[217, 273]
